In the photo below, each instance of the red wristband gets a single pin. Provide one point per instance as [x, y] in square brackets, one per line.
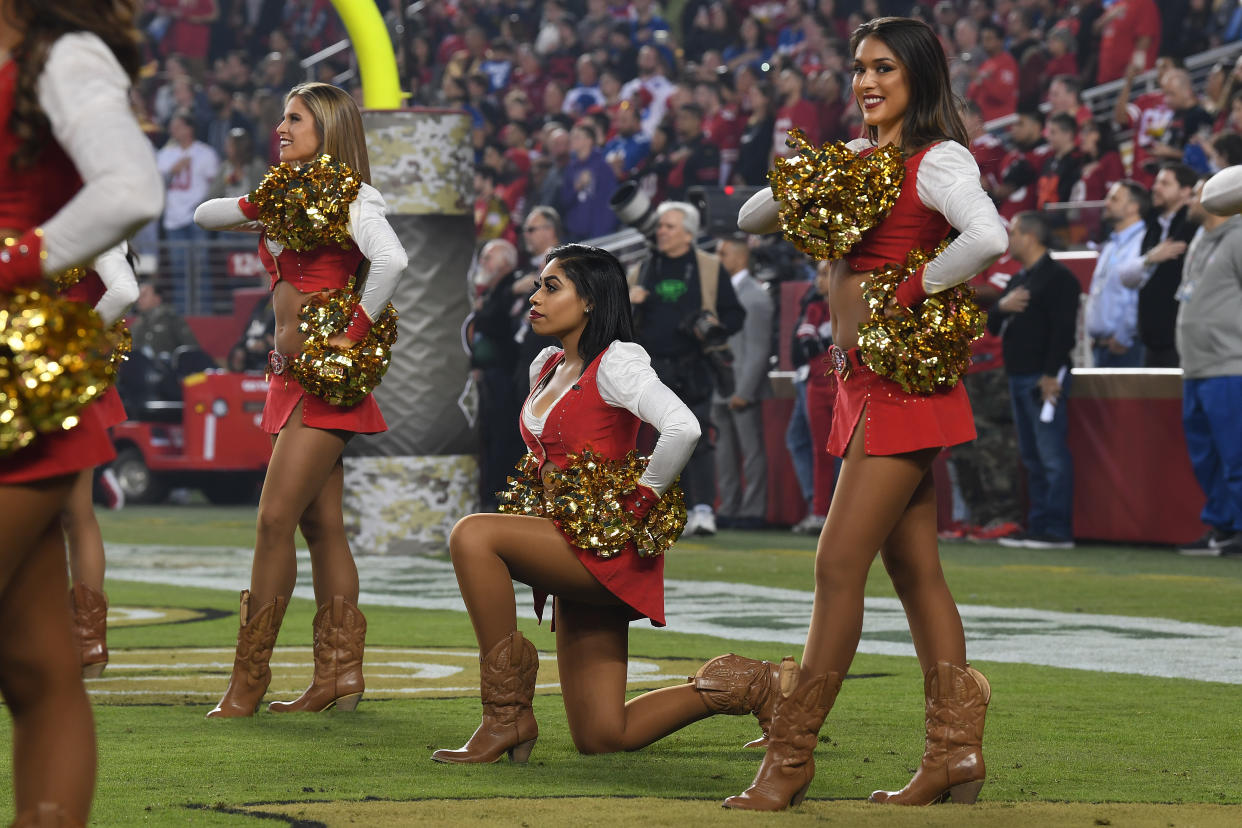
[911, 291]
[21, 260]
[359, 325]
[249, 210]
[640, 501]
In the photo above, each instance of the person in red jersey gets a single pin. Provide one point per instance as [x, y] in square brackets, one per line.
[586, 403]
[305, 478]
[1018, 189]
[78, 176]
[1148, 114]
[110, 288]
[1129, 33]
[995, 87]
[885, 499]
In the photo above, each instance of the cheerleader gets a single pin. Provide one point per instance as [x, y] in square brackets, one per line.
[888, 437]
[78, 176]
[567, 538]
[110, 287]
[305, 477]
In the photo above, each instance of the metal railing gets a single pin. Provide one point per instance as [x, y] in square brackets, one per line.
[199, 278]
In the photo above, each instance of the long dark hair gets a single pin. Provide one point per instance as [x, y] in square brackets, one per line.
[600, 281]
[41, 23]
[932, 114]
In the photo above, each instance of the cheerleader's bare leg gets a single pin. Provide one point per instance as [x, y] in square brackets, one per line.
[491, 551]
[86, 571]
[303, 460]
[40, 673]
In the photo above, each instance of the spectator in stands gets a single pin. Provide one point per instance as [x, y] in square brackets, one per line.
[491, 214]
[158, 329]
[586, 94]
[677, 293]
[257, 340]
[722, 124]
[755, 145]
[1062, 57]
[1127, 29]
[1017, 191]
[696, 160]
[1188, 120]
[1209, 339]
[969, 54]
[652, 80]
[1063, 96]
[812, 339]
[552, 163]
[1159, 272]
[789, 38]
[228, 114]
[241, 171]
[189, 167]
[491, 327]
[541, 231]
[751, 46]
[1063, 166]
[995, 87]
[741, 465]
[795, 111]
[1026, 46]
[1036, 318]
[987, 149]
[1102, 165]
[1225, 150]
[587, 187]
[1147, 114]
[629, 146]
[1112, 308]
[645, 21]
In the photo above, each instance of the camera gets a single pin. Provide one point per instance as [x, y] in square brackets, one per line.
[634, 209]
[714, 342]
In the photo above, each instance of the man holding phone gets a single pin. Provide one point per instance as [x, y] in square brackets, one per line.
[1036, 318]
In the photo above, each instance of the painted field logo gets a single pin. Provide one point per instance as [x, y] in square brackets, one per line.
[199, 675]
[151, 616]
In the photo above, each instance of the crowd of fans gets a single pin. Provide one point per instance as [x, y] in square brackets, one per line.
[570, 99]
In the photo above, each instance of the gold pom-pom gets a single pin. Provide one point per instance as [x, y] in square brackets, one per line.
[307, 206]
[926, 348]
[341, 376]
[584, 501]
[123, 344]
[68, 278]
[830, 196]
[54, 360]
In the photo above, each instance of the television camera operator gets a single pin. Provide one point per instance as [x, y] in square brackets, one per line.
[684, 314]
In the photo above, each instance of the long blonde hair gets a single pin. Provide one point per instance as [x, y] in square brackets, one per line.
[338, 122]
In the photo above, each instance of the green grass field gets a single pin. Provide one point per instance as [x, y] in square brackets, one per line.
[1063, 746]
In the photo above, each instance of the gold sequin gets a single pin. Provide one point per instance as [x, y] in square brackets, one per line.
[830, 196]
[584, 500]
[55, 358]
[926, 348]
[303, 207]
[341, 376]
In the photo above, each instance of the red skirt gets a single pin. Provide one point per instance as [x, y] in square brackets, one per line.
[637, 581]
[898, 422]
[85, 446]
[110, 408]
[284, 393]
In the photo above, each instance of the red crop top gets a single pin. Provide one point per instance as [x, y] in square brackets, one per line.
[909, 225]
[30, 196]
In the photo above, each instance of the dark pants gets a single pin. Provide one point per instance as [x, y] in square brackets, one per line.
[1105, 358]
[501, 441]
[1046, 457]
[1160, 357]
[1214, 441]
[698, 478]
[798, 442]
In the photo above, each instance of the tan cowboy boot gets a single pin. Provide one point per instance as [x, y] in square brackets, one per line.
[789, 764]
[734, 686]
[90, 626]
[952, 766]
[507, 685]
[45, 815]
[251, 674]
[340, 634]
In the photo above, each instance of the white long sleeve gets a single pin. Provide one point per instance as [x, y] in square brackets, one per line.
[949, 183]
[120, 286]
[378, 242]
[85, 94]
[626, 380]
[368, 227]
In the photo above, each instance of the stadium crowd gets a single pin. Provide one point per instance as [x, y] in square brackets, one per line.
[570, 99]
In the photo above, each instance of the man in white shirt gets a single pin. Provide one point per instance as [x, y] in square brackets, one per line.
[742, 481]
[1112, 308]
[189, 167]
[652, 79]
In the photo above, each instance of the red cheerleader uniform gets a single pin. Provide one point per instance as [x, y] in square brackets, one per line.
[328, 267]
[897, 421]
[582, 420]
[28, 198]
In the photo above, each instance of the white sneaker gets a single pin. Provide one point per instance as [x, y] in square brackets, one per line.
[706, 523]
[809, 525]
[692, 523]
